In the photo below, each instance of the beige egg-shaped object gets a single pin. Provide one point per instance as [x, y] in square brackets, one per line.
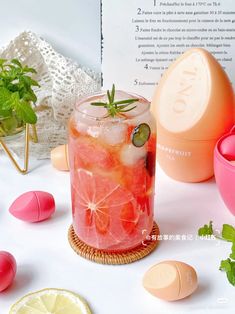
[194, 106]
[170, 280]
[59, 158]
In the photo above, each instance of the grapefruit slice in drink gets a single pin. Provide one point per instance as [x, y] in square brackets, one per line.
[106, 215]
[90, 151]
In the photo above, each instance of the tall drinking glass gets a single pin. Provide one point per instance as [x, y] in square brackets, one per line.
[112, 167]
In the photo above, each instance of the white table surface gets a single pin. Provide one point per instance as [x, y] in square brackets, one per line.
[43, 254]
[45, 258]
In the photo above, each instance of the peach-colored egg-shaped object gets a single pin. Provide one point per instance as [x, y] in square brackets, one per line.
[170, 280]
[33, 206]
[7, 269]
[59, 157]
[194, 107]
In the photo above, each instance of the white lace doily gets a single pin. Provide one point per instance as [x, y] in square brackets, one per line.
[62, 81]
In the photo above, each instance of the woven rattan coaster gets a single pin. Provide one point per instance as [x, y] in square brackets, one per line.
[112, 258]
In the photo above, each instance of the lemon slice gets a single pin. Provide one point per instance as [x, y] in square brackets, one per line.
[51, 301]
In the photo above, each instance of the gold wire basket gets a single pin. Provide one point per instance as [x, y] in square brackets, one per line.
[28, 136]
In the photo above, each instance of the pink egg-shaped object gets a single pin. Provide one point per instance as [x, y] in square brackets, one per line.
[33, 206]
[227, 147]
[7, 269]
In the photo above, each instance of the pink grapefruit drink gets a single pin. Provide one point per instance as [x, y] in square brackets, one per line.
[112, 166]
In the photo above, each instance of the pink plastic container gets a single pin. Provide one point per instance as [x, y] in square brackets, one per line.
[224, 166]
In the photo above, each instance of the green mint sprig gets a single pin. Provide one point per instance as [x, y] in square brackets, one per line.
[113, 107]
[16, 92]
[229, 267]
[206, 230]
[227, 234]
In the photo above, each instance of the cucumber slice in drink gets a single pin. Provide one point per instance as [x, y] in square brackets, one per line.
[141, 135]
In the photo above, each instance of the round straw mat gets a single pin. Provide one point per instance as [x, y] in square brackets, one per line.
[114, 258]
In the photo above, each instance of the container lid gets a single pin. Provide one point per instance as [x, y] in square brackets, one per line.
[194, 99]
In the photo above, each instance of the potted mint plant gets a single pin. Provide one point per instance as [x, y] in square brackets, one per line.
[16, 97]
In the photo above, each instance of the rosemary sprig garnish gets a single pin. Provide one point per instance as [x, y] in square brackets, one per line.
[113, 107]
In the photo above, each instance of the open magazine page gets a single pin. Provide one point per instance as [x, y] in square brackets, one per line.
[141, 38]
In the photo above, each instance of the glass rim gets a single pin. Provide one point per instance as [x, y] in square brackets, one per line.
[86, 97]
